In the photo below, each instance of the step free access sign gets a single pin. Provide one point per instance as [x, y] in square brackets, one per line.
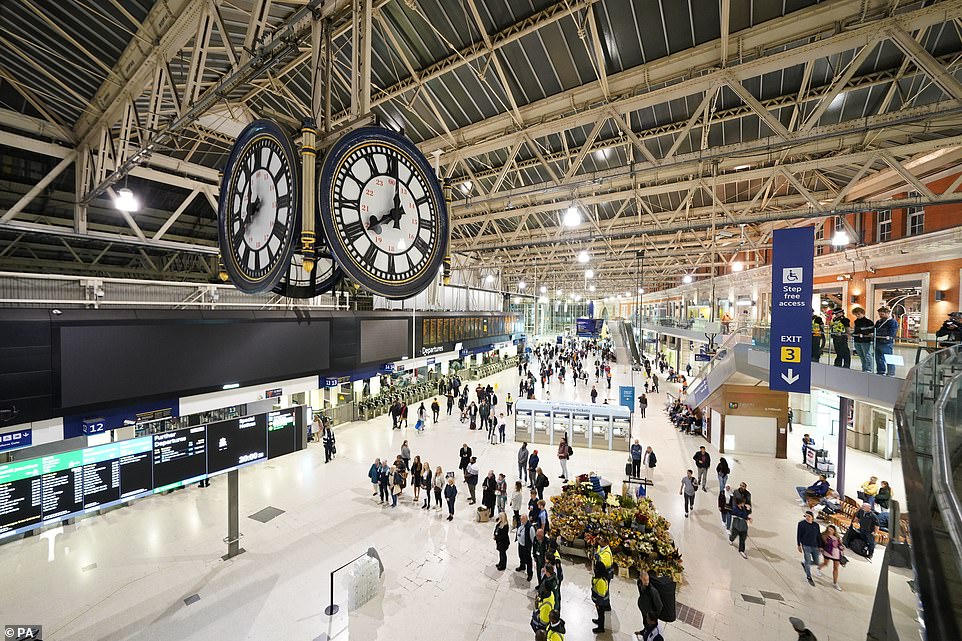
[793, 254]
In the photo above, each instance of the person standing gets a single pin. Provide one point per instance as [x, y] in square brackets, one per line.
[501, 493]
[450, 494]
[725, 506]
[654, 383]
[435, 409]
[517, 500]
[643, 404]
[501, 429]
[426, 478]
[523, 462]
[538, 549]
[397, 482]
[372, 474]
[702, 462]
[471, 478]
[564, 451]
[404, 415]
[832, 551]
[525, 538]
[329, 442]
[689, 485]
[509, 403]
[648, 462]
[594, 394]
[540, 483]
[599, 595]
[649, 599]
[406, 455]
[489, 490]
[465, 456]
[384, 482]
[863, 334]
[315, 429]
[636, 452]
[438, 486]
[416, 469]
[501, 541]
[556, 626]
[808, 539]
[840, 328]
[818, 337]
[886, 329]
[723, 471]
[450, 403]
[741, 517]
[533, 462]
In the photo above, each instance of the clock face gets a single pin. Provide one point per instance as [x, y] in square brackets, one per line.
[383, 212]
[259, 209]
[300, 283]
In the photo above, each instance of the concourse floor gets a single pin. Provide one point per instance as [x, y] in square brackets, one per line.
[127, 574]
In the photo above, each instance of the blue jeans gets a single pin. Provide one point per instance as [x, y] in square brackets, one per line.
[726, 518]
[801, 493]
[881, 349]
[810, 556]
[722, 480]
[864, 351]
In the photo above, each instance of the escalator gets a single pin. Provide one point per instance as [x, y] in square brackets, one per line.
[626, 348]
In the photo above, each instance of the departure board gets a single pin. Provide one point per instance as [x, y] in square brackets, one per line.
[281, 432]
[180, 457]
[56, 487]
[236, 442]
[117, 471]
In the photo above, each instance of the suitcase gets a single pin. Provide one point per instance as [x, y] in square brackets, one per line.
[628, 469]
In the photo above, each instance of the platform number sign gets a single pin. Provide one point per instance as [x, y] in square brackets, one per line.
[793, 252]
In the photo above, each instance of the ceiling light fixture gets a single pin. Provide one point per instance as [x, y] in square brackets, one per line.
[522, 285]
[840, 238]
[738, 266]
[572, 217]
[641, 290]
[489, 278]
[687, 278]
[466, 187]
[583, 256]
[589, 273]
[543, 290]
[591, 288]
[126, 201]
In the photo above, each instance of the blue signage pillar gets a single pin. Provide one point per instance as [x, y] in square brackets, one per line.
[626, 397]
[793, 255]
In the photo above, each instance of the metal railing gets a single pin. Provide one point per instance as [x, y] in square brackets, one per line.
[928, 417]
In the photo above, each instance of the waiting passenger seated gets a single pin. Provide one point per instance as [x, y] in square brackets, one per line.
[831, 503]
[818, 489]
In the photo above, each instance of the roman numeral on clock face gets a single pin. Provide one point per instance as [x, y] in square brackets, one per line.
[354, 230]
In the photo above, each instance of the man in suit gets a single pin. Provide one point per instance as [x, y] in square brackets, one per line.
[525, 537]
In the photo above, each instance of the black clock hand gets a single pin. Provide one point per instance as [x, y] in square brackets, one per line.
[396, 212]
[252, 209]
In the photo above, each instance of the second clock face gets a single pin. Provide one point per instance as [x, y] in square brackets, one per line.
[383, 214]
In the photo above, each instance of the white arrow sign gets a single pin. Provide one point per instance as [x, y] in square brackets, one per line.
[790, 377]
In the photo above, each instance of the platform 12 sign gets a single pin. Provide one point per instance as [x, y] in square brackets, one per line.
[793, 254]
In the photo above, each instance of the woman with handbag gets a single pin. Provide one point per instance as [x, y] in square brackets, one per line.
[564, 451]
[396, 481]
[426, 477]
[517, 500]
[450, 494]
[438, 487]
[501, 541]
[832, 551]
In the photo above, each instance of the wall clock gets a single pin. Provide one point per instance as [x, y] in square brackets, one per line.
[383, 212]
[259, 208]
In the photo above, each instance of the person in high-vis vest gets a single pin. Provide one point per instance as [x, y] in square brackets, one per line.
[556, 627]
[818, 337]
[542, 611]
[603, 553]
[840, 330]
[599, 595]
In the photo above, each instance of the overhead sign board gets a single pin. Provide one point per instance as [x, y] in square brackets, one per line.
[702, 358]
[793, 252]
[16, 439]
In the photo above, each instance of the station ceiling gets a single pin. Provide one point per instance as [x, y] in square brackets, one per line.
[687, 129]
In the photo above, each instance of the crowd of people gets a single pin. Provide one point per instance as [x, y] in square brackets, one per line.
[873, 340]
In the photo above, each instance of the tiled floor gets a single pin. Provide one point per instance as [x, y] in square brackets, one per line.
[126, 574]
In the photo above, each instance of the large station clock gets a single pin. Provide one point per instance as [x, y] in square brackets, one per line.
[383, 212]
[259, 209]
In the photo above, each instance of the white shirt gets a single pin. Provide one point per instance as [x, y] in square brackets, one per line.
[472, 469]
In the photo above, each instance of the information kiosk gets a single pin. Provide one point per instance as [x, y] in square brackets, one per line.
[604, 427]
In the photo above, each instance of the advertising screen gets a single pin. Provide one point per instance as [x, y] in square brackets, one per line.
[179, 457]
[236, 442]
[281, 432]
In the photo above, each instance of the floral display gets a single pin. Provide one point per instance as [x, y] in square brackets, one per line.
[639, 537]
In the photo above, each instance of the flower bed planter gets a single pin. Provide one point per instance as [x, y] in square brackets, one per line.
[639, 537]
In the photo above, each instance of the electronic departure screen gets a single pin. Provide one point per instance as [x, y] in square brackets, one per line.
[236, 442]
[180, 457]
[117, 471]
[281, 432]
[52, 488]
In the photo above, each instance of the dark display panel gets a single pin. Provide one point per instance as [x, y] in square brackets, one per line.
[52, 488]
[385, 340]
[237, 442]
[140, 358]
[281, 432]
[179, 457]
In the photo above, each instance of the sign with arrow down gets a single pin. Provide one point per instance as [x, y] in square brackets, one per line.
[793, 253]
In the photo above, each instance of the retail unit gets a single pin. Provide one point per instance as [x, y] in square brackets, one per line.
[605, 427]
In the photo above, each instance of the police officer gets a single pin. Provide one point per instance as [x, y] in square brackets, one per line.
[840, 329]
[951, 330]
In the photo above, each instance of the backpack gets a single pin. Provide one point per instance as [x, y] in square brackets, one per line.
[570, 451]
[858, 546]
[666, 589]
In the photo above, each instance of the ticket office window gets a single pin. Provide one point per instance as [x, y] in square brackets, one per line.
[580, 424]
[522, 425]
[542, 423]
[561, 422]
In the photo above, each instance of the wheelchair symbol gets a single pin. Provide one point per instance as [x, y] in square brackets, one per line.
[792, 275]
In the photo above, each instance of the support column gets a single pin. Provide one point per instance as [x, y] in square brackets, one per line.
[844, 409]
[233, 518]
